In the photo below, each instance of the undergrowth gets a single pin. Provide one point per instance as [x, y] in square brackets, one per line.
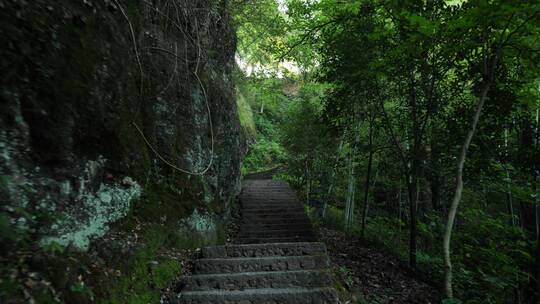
[480, 242]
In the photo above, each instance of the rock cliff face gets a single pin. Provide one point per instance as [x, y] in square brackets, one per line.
[104, 106]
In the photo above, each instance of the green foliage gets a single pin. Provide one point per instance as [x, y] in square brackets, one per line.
[346, 277]
[268, 104]
[343, 282]
[481, 242]
[412, 73]
[6, 231]
[260, 31]
[478, 246]
[82, 289]
[484, 241]
[245, 115]
[333, 218]
[53, 248]
[146, 273]
[4, 182]
[263, 155]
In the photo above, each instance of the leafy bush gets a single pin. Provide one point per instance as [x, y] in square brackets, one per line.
[246, 117]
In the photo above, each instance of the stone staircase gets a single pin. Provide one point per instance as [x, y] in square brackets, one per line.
[274, 259]
[271, 213]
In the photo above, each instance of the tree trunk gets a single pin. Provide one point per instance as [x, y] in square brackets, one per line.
[458, 192]
[537, 208]
[349, 205]
[399, 202]
[537, 274]
[306, 174]
[484, 192]
[308, 182]
[412, 187]
[509, 198]
[349, 212]
[435, 193]
[368, 177]
[435, 178]
[366, 210]
[332, 177]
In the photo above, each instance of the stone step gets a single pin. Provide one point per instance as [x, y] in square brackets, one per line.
[283, 216]
[274, 225]
[274, 221]
[264, 250]
[278, 225]
[260, 296]
[265, 183]
[301, 217]
[258, 208]
[272, 263]
[267, 233]
[259, 240]
[254, 221]
[267, 189]
[253, 280]
[272, 196]
[272, 206]
[268, 201]
[273, 193]
[273, 209]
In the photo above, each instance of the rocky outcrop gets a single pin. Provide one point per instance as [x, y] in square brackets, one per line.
[101, 100]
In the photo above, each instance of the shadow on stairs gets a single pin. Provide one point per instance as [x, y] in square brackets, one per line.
[275, 257]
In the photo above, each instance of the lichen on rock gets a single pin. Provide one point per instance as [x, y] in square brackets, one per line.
[93, 211]
[200, 227]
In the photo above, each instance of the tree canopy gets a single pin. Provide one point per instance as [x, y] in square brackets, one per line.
[421, 114]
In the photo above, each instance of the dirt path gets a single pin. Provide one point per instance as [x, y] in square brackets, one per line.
[378, 277]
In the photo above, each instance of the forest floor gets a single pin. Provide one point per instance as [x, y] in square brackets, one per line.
[377, 276]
